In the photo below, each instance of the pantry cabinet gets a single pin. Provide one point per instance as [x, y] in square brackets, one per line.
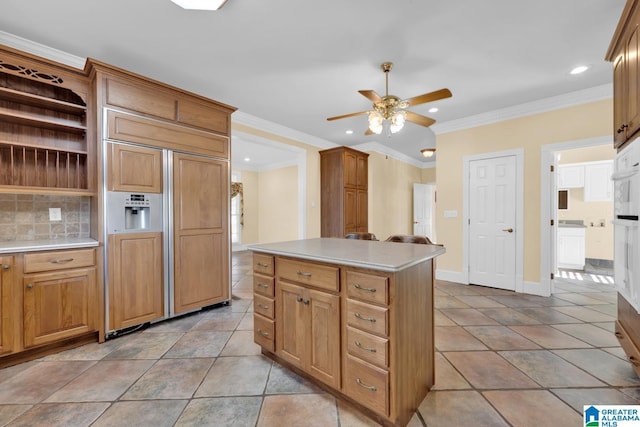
[7, 304]
[624, 53]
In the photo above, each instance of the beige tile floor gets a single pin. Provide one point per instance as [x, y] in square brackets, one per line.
[502, 359]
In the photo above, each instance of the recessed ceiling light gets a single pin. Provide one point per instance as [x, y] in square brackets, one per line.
[200, 4]
[433, 109]
[349, 132]
[580, 69]
[246, 159]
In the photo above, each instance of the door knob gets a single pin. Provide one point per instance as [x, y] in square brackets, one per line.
[508, 230]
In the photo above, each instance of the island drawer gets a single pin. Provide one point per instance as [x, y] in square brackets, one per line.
[263, 264]
[367, 347]
[367, 385]
[317, 275]
[264, 332]
[369, 318]
[59, 260]
[264, 306]
[367, 287]
[263, 285]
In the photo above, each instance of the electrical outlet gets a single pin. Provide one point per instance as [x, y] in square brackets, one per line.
[55, 214]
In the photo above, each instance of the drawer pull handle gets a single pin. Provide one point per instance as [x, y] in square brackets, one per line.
[61, 261]
[634, 361]
[371, 349]
[264, 307]
[368, 319]
[30, 286]
[262, 264]
[305, 301]
[357, 286]
[6, 266]
[299, 299]
[264, 334]
[368, 387]
[303, 273]
[262, 285]
[619, 335]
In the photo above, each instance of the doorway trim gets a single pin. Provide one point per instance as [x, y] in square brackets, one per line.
[547, 158]
[519, 226]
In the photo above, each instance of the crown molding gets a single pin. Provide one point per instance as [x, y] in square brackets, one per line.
[383, 149]
[596, 93]
[42, 50]
[245, 119]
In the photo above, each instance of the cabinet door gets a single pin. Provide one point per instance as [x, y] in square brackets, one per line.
[598, 186]
[201, 242]
[6, 304]
[363, 166]
[350, 211]
[135, 279]
[619, 101]
[323, 313]
[135, 169]
[571, 250]
[362, 216]
[632, 89]
[291, 326]
[350, 169]
[570, 176]
[59, 305]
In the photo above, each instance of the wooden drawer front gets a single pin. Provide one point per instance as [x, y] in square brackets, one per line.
[370, 348]
[367, 385]
[61, 260]
[141, 99]
[203, 116]
[264, 306]
[264, 332]
[632, 352]
[368, 317]
[319, 276]
[368, 287]
[263, 264]
[263, 285]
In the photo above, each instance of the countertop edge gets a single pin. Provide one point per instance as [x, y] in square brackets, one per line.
[34, 246]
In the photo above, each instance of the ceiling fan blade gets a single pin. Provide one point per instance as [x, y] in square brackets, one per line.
[371, 95]
[348, 115]
[428, 97]
[419, 119]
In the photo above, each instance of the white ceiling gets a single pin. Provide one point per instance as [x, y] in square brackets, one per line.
[294, 64]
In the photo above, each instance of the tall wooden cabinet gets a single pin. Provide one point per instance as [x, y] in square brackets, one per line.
[7, 304]
[344, 193]
[624, 53]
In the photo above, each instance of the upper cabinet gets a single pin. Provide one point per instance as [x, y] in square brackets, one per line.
[624, 53]
[570, 176]
[43, 126]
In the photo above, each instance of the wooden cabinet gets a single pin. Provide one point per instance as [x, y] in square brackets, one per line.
[624, 53]
[344, 192]
[367, 334]
[134, 168]
[43, 127]
[60, 298]
[135, 279]
[7, 304]
[201, 236]
[308, 322]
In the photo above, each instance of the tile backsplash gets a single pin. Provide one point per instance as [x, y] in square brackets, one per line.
[26, 217]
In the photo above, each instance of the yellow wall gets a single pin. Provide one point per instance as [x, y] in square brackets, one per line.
[278, 205]
[391, 195]
[428, 176]
[530, 133]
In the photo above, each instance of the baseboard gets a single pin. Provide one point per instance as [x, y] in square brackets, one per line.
[451, 276]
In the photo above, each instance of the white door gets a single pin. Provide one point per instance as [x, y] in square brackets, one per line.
[492, 219]
[423, 210]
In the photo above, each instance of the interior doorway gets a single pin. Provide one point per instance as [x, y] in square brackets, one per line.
[424, 204]
[576, 231]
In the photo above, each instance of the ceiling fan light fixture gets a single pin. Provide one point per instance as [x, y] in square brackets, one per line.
[397, 121]
[428, 152]
[200, 4]
[375, 122]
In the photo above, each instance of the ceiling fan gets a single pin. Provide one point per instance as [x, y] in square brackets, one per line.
[390, 111]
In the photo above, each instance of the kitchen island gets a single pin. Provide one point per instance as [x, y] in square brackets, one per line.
[354, 316]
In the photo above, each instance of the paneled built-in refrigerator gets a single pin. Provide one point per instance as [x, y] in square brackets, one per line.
[166, 234]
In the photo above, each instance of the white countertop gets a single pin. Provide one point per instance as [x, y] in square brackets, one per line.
[383, 256]
[45, 245]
